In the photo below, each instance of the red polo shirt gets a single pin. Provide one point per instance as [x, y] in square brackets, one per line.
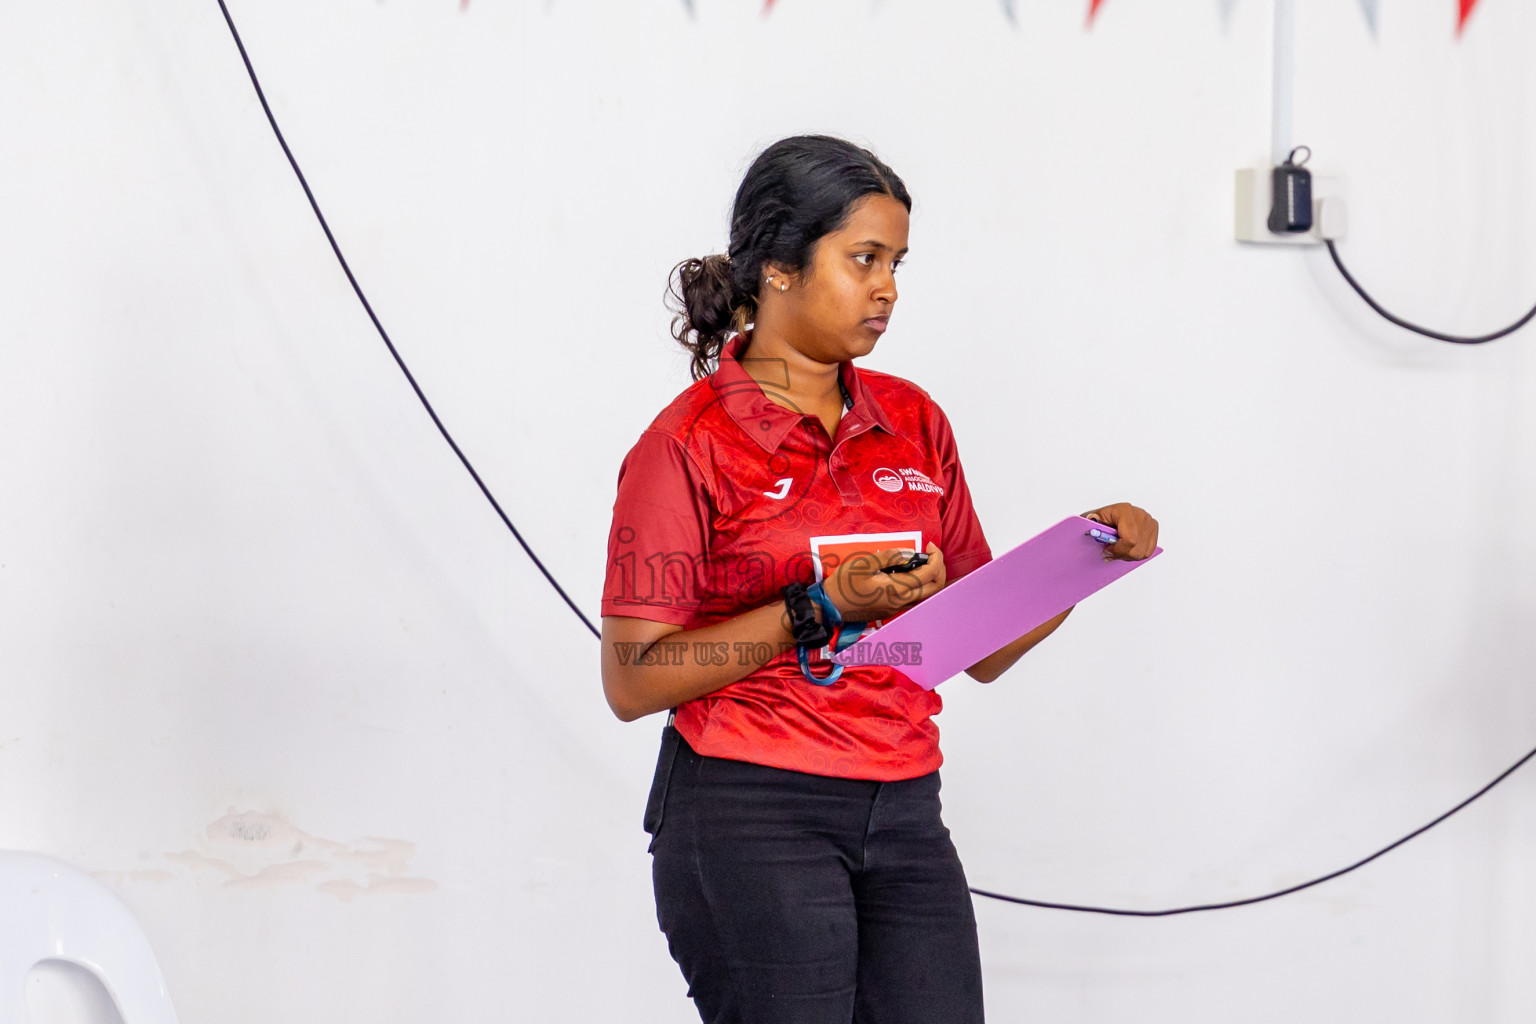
[729, 496]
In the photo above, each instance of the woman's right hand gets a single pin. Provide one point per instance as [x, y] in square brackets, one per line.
[862, 593]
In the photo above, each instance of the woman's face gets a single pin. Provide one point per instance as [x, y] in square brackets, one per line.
[837, 308]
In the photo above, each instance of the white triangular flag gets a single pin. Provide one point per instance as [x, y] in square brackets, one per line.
[1369, 9]
[1225, 8]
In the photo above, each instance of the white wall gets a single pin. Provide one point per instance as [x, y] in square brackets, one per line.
[273, 668]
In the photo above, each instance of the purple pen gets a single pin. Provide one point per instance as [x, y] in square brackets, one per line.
[1103, 536]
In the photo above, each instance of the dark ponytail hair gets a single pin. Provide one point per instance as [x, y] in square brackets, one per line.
[796, 191]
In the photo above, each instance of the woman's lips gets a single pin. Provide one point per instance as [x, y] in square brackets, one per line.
[878, 323]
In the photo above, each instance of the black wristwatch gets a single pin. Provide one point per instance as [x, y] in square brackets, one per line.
[802, 618]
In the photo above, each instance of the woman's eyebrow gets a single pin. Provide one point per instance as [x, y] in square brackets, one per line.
[878, 245]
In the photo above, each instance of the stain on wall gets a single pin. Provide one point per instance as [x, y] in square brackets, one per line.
[263, 850]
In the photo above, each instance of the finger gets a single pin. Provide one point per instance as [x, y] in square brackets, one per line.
[1138, 548]
[883, 559]
[896, 556]
[928, 587]
[1145, 533]
[933, 568]
[908, 588]
[910, 596]
[1126, 547]
[903, 588]
[1146, 547]
[1146, 536]
[870, 583]
[923, 571]
[941, 572]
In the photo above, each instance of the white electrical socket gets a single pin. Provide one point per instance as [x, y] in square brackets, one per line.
[1252, 194]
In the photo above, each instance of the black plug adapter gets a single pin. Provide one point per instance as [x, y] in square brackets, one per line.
[1291, 207]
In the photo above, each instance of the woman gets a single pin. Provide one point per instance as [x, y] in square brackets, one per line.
[801, 868]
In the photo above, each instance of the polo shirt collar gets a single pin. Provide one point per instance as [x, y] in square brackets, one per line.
[766, 421]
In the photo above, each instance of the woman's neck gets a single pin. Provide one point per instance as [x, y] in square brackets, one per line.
[786, 373]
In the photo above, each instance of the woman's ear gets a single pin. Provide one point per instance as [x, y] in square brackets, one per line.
[777, 279]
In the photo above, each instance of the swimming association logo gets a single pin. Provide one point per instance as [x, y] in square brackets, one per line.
[917, 480]
[907, 478]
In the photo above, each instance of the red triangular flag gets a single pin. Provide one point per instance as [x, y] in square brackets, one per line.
[1466, 12]
[1093, 8]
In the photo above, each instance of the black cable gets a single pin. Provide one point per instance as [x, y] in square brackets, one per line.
[1334, 252]
[382, 333]
[595, 632]
[1268, 896]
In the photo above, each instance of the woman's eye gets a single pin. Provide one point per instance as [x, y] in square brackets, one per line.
[895, 264]
[866, 255]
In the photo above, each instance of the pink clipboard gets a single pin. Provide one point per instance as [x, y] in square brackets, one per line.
[993, 605]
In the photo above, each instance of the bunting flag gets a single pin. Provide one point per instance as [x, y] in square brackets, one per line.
[1368, 8]
[1224, 9]
[1466, 12]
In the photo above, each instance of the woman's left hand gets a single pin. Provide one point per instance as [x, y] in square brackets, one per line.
[1137, 530]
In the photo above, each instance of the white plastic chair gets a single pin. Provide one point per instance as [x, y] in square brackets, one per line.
[51, 911]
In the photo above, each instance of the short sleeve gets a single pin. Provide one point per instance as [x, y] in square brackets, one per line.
[658, 542]
[964, 544]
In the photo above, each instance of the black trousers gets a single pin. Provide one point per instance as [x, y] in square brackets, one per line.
[788, 897]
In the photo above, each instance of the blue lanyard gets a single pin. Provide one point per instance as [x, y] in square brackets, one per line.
[844, 636]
